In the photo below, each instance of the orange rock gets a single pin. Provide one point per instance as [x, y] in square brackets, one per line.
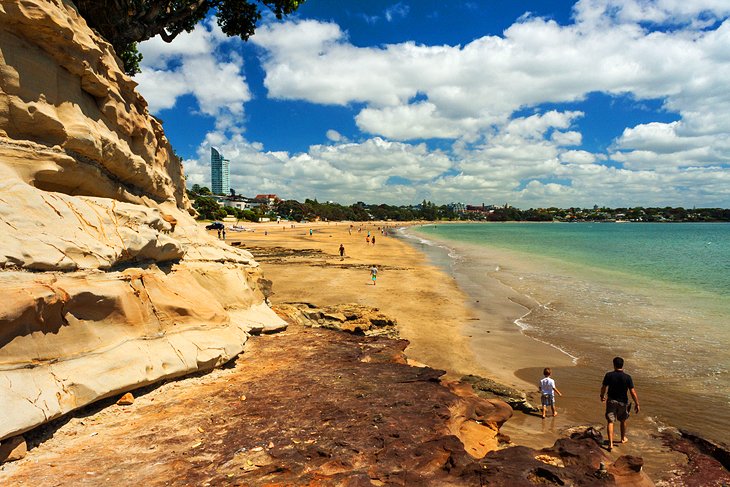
[13, 449]
[126, 400]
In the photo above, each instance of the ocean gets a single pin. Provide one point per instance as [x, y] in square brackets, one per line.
[656, 294]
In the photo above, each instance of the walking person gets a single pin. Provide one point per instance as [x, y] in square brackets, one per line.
[547, 389]
[223, 232]
[342, 252]
[618, 384]
[374, 273]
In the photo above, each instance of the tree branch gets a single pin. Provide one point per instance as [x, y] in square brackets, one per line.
[186, 12]
[167, 37]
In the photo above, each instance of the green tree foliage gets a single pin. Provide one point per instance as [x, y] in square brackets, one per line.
[208, 208]
[131, 58]
[291, 210]
[125, 22]
[313, 209]
[533, 215]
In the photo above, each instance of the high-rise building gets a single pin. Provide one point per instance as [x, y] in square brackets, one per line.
[220, 179]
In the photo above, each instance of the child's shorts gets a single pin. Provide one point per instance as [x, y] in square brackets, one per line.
[547, 400]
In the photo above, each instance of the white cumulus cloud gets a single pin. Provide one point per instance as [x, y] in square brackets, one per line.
[194, 64]
[485, 103]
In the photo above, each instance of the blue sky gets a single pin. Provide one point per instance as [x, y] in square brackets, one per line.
[608, 102]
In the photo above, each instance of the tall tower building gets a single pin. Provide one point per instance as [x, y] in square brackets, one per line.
[220, 179]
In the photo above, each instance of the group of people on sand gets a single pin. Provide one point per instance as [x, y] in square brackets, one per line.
[615, 390]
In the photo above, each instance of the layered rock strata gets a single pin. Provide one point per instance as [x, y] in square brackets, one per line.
[108, 283]
[352, 318]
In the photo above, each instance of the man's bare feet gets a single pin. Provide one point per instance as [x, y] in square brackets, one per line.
[555, 413]
[624, 440]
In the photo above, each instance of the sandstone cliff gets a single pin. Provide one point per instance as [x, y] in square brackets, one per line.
[107, 281]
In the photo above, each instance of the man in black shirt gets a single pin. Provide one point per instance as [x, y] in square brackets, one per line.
[618, 383]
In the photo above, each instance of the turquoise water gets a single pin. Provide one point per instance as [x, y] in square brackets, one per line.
[656, 294]
[693, 255]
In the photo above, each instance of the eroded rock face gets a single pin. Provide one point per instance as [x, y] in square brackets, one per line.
[107, 281]
[352, 318]
[74, 122]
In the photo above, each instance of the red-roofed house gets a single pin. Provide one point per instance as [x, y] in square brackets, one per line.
[268, 199]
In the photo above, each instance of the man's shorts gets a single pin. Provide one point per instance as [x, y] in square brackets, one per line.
[547, 400]
[616, 411]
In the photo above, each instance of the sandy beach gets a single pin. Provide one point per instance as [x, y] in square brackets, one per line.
[433, 313]
[428, 306]
[446, 327]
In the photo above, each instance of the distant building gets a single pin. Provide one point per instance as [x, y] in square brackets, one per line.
[240, 204]
[220, 178]
[268, 199]
[483, 209]
[457, 207]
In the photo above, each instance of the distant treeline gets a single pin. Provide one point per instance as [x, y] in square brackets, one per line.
[311, 210]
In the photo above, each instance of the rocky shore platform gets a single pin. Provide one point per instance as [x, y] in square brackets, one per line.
[308, 406]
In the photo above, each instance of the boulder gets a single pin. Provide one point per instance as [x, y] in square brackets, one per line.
[489, 388]
[13, 449]
[126, 400]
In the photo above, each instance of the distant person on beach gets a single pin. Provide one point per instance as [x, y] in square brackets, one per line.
[372, 239]
[367, 239]
[223, 232]
[547, 389]
[618, 383]
[342, 252]
[374, 273]
[219, 234]
[310, 232]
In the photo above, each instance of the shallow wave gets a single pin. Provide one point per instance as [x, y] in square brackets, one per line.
[451, 251]
[524, 326]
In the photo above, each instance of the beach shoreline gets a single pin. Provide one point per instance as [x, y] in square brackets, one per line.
[448, 325]
[444, 323]
[581, 378]
[594, 315]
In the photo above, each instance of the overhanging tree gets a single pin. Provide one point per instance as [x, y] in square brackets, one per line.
[125, 22]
